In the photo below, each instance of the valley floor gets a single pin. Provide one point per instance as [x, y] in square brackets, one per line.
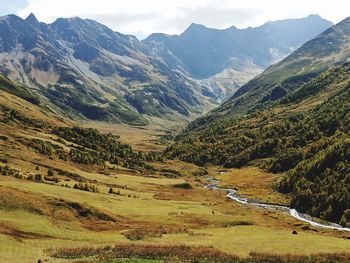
[147, 210]
[127, 207]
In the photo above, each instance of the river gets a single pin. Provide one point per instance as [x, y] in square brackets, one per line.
[232, 194]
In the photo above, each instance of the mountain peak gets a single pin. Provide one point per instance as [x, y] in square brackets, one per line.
[11, 18]
[232, 28]
[314, 16]
[68, 20]
[32, 19]
[317, 18]
[195, 28]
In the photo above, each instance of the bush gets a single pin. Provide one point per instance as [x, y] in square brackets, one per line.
[50, 172]
[38, 177]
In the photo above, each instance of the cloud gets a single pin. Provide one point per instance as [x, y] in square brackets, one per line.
[212, 15]
[11, 6]
[209, 15]
[126, 23]
[122, 19]
[142, 17]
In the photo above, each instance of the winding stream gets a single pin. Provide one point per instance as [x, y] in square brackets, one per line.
[232, 194]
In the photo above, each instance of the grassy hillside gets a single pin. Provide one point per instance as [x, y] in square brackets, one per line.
[22, 92]
[305, 136]
[64, 188]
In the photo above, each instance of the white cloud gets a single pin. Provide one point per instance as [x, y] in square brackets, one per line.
[10, 6]
[143, 17]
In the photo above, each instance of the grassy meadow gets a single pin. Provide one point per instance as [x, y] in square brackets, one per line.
[63, 211]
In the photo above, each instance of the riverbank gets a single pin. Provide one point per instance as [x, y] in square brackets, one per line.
[232, 194]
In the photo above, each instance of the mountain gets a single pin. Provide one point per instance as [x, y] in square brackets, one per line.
[304, 136]
[307, 139]
[227, 133]
[64, 188]
[205, 52]
[81, 187]
[82, 68]
[320, 53]
[324, 74]
[79, 68]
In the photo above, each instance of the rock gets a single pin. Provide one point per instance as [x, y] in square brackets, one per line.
[294, 232]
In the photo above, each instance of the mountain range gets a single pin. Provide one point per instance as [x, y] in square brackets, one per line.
[292, 119]
[204, 52]
[80, 66]
[81, 69]
[278, 143]
[226, 59]
[281, 79]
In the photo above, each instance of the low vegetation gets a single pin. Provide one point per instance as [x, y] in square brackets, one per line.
[311, 147]
[82, 186]
[86, 145]
[183, 254]
[17, 90]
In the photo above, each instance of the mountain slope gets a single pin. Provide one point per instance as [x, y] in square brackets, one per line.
[72, 185]
[304, 133]
[26, 127]
[205, 52]
[322, 52]
[80, 67]
[308, 138]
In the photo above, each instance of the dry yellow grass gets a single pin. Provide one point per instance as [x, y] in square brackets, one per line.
[253, 183]
[140, 138]
[31, 110]
[241, 240]
[35, 216]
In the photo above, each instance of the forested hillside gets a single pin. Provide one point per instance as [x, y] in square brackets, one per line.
[323, 52]
[302, 136]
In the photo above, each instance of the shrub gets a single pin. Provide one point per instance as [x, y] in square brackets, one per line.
[50, 172]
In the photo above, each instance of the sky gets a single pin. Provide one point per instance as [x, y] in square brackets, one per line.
[143, 17]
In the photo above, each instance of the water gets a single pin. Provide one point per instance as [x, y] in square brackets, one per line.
[232, 194]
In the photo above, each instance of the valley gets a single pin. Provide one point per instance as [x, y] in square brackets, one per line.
[194, 147]
[158, 204]
[83, 70]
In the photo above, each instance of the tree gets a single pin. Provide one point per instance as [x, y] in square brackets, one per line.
[50, 172]
[38, 177]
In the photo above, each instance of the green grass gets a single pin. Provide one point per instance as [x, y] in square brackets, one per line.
[37, 216]
[20, 91]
